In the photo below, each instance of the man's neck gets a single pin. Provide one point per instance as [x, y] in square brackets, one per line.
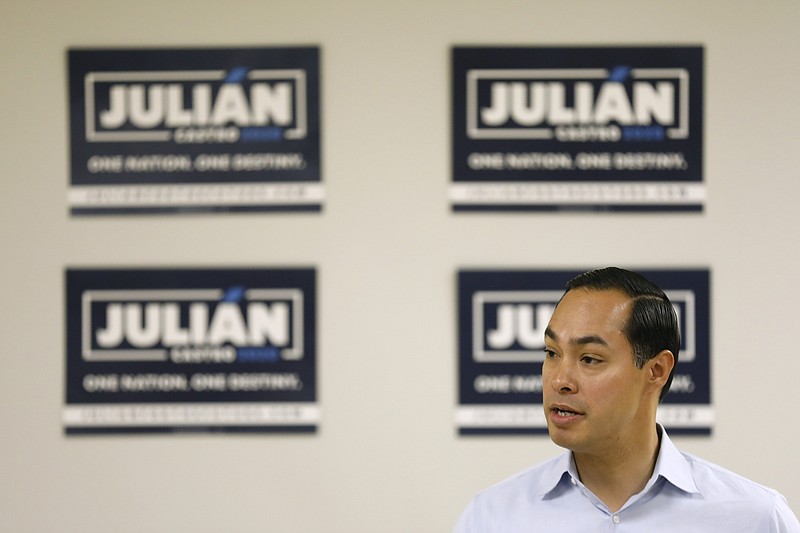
[620, 473]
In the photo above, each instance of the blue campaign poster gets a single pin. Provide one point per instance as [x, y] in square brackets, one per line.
[196, 129]
[165, 350]
[577, 128]
[502, 315]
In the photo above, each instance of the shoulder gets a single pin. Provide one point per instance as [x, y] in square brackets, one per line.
[713, 479]
[713, 482]
[721, 487]
[511, 503]
[526, 484]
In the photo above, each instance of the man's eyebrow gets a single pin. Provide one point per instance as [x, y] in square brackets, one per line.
[580, 341]
[590, 339]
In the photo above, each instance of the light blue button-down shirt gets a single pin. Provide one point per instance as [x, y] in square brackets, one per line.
[685, 494]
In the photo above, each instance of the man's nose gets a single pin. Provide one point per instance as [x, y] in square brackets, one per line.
[562, 378]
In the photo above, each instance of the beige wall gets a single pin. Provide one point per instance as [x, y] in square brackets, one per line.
[387, 457]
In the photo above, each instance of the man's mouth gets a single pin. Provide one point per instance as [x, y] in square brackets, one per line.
[564, 411]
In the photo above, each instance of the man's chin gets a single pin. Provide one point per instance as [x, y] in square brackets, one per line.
[562, 437]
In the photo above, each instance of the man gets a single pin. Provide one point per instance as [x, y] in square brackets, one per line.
[610, 352]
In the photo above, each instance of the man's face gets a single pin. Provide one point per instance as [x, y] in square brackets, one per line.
[593, 392]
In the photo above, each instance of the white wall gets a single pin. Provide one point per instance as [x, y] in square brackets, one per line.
[387, 457]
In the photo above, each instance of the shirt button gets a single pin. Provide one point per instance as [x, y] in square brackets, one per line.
[615, 519]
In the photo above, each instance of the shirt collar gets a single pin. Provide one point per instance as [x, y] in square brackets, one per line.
[561, 467]
[671, 465]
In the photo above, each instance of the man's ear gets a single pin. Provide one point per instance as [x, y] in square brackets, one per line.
[659, 368]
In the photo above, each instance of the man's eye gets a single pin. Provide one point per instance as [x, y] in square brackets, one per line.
[589, 360]
[549, 354]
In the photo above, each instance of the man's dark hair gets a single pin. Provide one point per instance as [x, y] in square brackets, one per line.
[652, 325]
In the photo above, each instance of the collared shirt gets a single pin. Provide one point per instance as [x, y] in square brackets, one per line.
[685, 494]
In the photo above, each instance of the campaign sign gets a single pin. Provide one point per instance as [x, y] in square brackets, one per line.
[161, 350]
[577, 128]
[187, 130]
[502, 316]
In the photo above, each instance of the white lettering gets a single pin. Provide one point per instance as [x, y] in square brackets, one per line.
[149, 106]
[682, 383]
[588, 133]
[147, 325]
[98, 164]
[153, 382]
[101, 383]
[264, 381]
[601, 160]
[268, 161]
[504, 383]
[536, 103]
[157, 163]
[206, 162]
[649, 160]
[207, 135]
[480, 161]
[271, 104]
[203, 354]
[538, 160]
[484, 383]
[205, 382]
[117, 114]
[654, 102]
[143, 115]
[521, 324]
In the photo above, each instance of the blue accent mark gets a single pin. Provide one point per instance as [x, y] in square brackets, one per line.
[234, 294]
[619, 74]
[268, 354]
[268, 134]
[236, 75]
